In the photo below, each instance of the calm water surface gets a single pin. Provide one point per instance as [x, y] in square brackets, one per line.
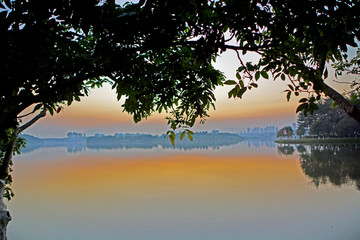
[251, 190]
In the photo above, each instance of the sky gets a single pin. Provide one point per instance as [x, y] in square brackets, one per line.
[100, 112]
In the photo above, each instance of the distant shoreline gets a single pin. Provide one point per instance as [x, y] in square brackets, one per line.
[202, 140]
[318, 141]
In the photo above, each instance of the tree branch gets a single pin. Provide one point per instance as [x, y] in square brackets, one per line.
[31, 122]
[344, 104]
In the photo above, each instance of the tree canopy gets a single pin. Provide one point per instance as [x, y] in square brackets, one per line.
[328, 121]
[285, 132]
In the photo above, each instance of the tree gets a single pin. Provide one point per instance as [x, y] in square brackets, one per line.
[300, 131]
[285, 132]
[295, 41]
[322, 129]
[347, 127]
[351, 67]
[56, 51]
[329, 121]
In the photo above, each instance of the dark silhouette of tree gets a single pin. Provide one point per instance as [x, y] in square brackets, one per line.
[295, 41]
[300, 131]
[286, 150]
[56, 51]
[285, 132]
[335, 164]
[329, 121]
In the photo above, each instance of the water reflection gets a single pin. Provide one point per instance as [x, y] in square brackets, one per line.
[242, 191]
[285, 150]
[334, 164]
[202, 141]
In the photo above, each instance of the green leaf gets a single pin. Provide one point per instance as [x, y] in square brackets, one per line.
[37, 107]
[189, 131]
[190, 136]
[283, 77]
[230, 82]
[241, 92]
[257, 75]
[172, 137]
[51, 111]
[303, 100]
[241, 83]
[182, 135]
[288, 96]
[301, 107]
[236, 91]
[172, 140]
[238, 76]
[264, 75]
[231, 92]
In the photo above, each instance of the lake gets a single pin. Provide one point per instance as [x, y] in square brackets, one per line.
[249, 190]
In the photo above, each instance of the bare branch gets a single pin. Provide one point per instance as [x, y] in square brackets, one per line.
[242, 63]
[31, 122]
[231, 37]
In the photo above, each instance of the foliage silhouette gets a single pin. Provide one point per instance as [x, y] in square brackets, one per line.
[335, 164]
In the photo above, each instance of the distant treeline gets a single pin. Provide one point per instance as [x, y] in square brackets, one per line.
[146, 141]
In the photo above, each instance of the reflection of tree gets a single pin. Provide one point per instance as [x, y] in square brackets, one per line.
[286, 149]
[300, 148]
[337, 164]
